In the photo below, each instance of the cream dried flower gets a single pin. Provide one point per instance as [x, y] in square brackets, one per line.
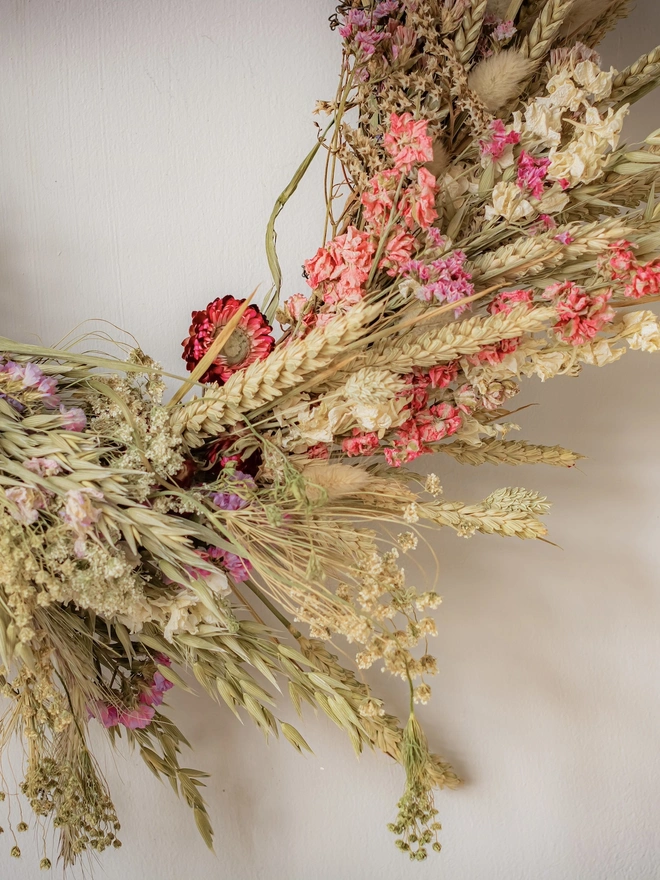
[499, 79]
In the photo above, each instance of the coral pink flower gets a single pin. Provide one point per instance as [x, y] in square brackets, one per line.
[531, 173]
[581, 315]
[378, 199]
[398, 250]
[251, 340]
[497, 141]
[360, 444]
[417, 205]
[508, 300]
[408, 141]
[341, 267]
[443, 375]
[645, 281]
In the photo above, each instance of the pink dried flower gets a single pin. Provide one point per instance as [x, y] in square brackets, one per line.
[28, 502]
[295, 306]
[495, 354]
[509, 299]
[398, 251]
[564, 238]
[581, 315]
[320, 451]
[622, 261]
[408, 141]
[442, 376]
[378, 199]
[386, 8]
[105, 713]
[444, 279]
[531, 173]
[80, 515]
[645, 281]
[504, 31]
[360, 444]
[234, 565]
[43, 467]
[251, 340]
[417, 204]
[139, 717]
[497, 140]
[342, 267]
[427, 426]
[73, 419]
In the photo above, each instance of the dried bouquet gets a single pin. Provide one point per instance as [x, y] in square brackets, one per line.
[483, 224]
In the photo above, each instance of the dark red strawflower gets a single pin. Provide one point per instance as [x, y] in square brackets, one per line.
[251, 340]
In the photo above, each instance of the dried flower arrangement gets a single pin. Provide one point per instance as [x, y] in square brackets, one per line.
[483, 224]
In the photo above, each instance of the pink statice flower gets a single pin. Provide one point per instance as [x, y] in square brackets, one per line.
[386, 9]
[503, 31]
[564, 238]
[342, 267]
[73, 419]
[507, 300]
[417, 204]
[31, 377]
[564, 183]
[645, 281]
[443, 375]
[581, 315]
[27, 502]
[357, 19]
[443, 280]
[360, 444]
[497, 140]
[418, 391]
[532, 171]
[232, 500]
[80, 514]
[408, 141]
[435, 237]
[137, 718]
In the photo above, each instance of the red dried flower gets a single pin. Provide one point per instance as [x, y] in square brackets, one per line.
[251, 340]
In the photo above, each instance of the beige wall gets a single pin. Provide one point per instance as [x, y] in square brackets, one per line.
[143, 144]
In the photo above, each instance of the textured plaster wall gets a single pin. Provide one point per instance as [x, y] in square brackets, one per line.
[143, 144]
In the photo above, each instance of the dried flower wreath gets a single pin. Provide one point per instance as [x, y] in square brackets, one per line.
[483, 224]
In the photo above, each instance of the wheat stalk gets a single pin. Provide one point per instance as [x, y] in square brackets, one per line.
[512, 452]
[644, 71]
[467, 36]
[544, 30]
[456, 339]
